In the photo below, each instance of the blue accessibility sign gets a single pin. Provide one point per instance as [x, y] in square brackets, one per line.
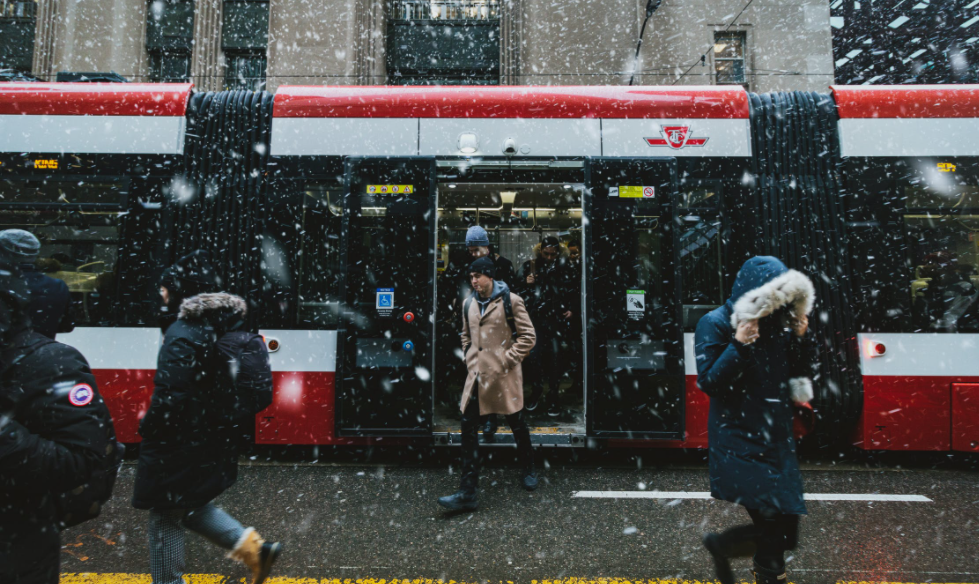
[385, 299]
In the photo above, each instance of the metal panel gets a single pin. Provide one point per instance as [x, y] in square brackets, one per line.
[92, 134]
[344, 137]
[909, 137]
[530, 136]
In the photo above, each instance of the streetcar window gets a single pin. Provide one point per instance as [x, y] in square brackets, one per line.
[304, 224]
[79, 245]
[950, 197]
[699, 255]
[699, 252]
[944, 259]
[80, 192]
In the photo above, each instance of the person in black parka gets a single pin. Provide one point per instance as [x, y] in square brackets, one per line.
[192, 430]
[55, 432]
[754, 360]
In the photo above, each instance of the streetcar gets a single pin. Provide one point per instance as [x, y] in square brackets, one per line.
[340, 214]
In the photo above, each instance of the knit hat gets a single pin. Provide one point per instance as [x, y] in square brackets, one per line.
[550, 241]
[18, 245]
[191, 275]
[477, 237]
[484, 266]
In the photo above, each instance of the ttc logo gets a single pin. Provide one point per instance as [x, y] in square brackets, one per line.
[676, 137]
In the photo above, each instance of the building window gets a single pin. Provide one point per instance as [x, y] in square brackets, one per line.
[245, 71]
[444, 42]
[245, 39]
[17, 23]
[447, 10]
[729, 58]
[169, 40]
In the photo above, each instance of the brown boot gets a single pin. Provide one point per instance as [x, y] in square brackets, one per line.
[257, 554]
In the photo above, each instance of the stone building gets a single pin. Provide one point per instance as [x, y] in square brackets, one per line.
[217, 44]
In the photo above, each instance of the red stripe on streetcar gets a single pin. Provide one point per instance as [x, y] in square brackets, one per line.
[921, 101]
[510, 102]
[94, 99]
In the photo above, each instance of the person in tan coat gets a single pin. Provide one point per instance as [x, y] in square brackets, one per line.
[494, 351]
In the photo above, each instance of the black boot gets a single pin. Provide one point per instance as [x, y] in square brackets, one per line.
[461, 500]
[530, 404]
[722, 568]
[529, 477]
[768, 576]
[489, 428]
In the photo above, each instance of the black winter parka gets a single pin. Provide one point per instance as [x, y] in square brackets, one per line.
[54, 431]
[192, 430]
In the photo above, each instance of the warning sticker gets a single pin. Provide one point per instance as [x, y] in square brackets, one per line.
[390, 189]
[635, 304]
[384, 302]
[637, 192]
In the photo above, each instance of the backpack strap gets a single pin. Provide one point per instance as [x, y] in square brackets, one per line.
[508, 310]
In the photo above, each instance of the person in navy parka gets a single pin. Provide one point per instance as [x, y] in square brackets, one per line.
[754, 360]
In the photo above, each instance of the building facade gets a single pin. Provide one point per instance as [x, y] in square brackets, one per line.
[218, 44]
[889, 42]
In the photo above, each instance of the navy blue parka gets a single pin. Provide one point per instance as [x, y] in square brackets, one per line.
[753, 387]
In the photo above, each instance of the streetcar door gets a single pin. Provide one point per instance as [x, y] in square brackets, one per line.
[384, 365]
[632, 300]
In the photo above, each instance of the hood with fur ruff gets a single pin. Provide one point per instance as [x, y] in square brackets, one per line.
[764, 285]
[220, 306]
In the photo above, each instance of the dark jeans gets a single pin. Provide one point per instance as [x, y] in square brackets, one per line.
[768, 537]
[470, 443]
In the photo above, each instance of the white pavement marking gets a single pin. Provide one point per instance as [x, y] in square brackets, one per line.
[706, 495]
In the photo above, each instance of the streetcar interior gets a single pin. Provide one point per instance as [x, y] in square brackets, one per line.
[78, 224]
[517, 217]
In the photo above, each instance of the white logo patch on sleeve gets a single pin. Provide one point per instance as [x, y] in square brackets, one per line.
[81, 395]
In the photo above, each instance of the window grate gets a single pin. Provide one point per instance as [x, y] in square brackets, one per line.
[447, 10]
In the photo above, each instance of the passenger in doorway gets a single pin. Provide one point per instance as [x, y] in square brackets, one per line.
[497, 336]
[553, 300]
[51, 310]
[477, 242]
[754, 360]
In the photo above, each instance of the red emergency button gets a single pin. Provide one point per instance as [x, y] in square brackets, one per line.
[409, 317]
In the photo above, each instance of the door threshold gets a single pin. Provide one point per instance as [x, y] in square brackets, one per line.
[542, 436]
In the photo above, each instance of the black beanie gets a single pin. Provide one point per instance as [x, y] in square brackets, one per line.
[484, 266]
[550, 241]
[191, 275]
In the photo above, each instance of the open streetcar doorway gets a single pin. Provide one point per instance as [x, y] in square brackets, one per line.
[533, 218]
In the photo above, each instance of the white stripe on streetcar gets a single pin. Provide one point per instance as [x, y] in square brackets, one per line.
[705, 495]
[93, 134]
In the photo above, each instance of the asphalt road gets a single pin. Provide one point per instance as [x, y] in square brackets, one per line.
[376, 518]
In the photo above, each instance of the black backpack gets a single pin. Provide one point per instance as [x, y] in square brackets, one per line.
[251, 373]
[85, 501]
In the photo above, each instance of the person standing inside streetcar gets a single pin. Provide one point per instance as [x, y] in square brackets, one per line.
[477, 242]
[497, 336]
[754, 360]
[548, 286]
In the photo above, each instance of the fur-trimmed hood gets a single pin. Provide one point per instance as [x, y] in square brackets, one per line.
[764, 285]
[219, 306]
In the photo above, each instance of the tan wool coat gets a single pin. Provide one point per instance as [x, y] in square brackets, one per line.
[494, 356]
